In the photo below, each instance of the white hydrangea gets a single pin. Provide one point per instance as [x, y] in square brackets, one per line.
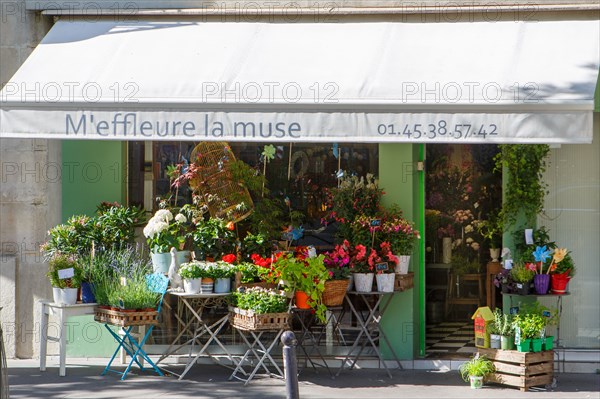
[180, 218]
[164, 215]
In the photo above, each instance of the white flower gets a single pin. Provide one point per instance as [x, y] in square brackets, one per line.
[475, 246]
[469, 240]
[164, 215]
[180, 218]
[149, 230]
[468, 228]
[160, 226]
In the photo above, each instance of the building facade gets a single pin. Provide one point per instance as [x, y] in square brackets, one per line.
[44, 181]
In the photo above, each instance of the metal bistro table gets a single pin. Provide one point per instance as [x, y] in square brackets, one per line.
[196, 304]
[369, 329]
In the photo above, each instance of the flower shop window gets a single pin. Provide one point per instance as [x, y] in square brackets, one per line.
[297, 172]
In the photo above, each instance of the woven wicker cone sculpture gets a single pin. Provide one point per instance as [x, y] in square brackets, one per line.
[225, 198]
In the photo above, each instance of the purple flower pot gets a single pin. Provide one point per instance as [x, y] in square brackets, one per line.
[541, 283]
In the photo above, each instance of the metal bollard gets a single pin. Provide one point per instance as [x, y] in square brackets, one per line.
[289, 341]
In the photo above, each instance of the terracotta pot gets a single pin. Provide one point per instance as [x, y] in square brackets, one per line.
[302, 300]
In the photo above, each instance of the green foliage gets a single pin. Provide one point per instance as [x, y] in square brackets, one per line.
[353, 197]
[260, 300]
[119, 279]
[566, 265]
[113, 226]
[478, 366]
[462, 265]
[521, 274]
[255, 244]
[492, 229]
[530, 324]
[249, 272]
[307, 275]
[524, 252]
[213, 239]
[71, 238]
[525, 191]
[61, 262]
[502, 323]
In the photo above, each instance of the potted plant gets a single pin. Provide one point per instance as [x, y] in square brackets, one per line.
[163, 232]
[306, 278]
[120, 283]
[401, 235]
[493, 329]
[522, 275]
[384, 274]
[541, 280]
[213, 238]
[528, 327]
[65, 275]
[192, 273]
[491, 230]
[475, 370]
[222, 272]
[561, 271]
[504, 326]
[260, 300]
[362, 269]
[504, 281]
[337, 263]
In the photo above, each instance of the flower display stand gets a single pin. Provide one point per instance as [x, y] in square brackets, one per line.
[260, 333]
[522, 370]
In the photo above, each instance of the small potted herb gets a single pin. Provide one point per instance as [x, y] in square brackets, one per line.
[192, 273]
[475, 370]
[522, 276]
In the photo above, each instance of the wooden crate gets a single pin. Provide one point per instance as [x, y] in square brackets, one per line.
[520, 369]
[248, 320]
[125, 318]
[404, 281]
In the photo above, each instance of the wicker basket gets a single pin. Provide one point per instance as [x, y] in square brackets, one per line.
[404, 281]
[248, 320]
[334, 293]
[124, 319]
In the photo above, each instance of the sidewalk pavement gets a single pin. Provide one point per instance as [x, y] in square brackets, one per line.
[83, 380]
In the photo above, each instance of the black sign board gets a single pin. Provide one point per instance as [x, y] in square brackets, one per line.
[375, 222]
[381, 266]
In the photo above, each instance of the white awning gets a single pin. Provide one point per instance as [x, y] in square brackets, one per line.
[479, 82]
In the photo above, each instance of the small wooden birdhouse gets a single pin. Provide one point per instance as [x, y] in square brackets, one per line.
[482, 317]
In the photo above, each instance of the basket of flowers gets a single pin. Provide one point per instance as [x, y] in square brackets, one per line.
[256, 309]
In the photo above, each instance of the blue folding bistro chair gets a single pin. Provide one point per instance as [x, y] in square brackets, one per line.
[157, 283]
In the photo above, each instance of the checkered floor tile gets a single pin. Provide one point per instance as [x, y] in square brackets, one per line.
[450, 337]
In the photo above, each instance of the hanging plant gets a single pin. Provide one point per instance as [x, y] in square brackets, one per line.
[525, 190]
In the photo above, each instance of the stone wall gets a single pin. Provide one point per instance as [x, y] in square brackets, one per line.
[30, 196]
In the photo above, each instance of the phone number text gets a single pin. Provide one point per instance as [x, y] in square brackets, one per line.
[439, 130]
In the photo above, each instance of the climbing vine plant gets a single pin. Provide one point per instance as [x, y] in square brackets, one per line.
[525, 190]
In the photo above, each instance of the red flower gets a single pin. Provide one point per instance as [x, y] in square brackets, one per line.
[230, 226]
[229, 258]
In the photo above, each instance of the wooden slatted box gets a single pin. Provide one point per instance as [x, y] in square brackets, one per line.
[521, 369]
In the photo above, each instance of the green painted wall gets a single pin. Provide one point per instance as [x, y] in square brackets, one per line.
[93, 171]
[398, 176]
